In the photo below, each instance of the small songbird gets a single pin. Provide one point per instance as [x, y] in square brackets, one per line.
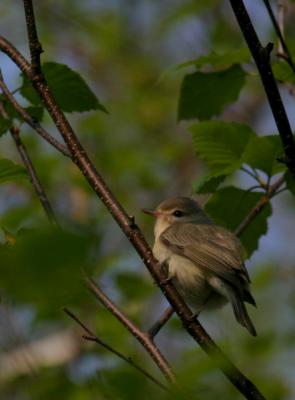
[204, 261]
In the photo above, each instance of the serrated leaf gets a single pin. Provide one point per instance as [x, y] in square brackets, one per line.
[204, 95]
[10, 171]
[221, 145]
[283, 72]
[207, 184]
[229, 206]
[262, 152]
[68, 87]
[233, 56]
[5, 125]
[290, 182]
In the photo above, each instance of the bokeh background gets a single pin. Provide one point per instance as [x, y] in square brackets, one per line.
[125, 49]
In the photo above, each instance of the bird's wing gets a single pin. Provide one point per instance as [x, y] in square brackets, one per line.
[212, 248]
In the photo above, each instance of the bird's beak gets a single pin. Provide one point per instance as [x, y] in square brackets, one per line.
[150, 212]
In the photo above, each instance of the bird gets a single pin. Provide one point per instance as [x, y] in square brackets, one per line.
[204, 261]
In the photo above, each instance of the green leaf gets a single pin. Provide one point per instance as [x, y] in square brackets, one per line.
[283, 72]
[207, 184]
[204, 95]
[229, 206]
[261, 153]
[36, 112]
[290, 182]
[43, 261]
[233, 56]
[68, 87]
[5, 125]
[221, 145]
[10, 171]
[133, 286]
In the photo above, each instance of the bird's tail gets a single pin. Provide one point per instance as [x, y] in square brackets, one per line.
[241, 313]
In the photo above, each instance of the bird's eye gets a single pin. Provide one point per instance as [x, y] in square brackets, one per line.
[178, 213]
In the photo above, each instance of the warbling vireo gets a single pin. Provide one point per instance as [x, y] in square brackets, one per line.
[204, 260]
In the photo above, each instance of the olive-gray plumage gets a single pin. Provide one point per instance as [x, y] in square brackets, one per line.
[204, 260]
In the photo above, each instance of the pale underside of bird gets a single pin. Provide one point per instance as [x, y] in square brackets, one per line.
[204, 261]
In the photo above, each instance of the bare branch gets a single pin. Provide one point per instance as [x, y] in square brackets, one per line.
[285, 54]
[260, 205]
[92, 337]
[9, 49]
[34, 44]
[31, 121]
[158, 325]
[141, 336]
[261, 56]
[37, 185]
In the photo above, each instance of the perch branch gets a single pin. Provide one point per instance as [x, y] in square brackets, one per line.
[92, 337]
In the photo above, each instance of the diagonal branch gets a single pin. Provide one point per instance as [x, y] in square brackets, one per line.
[141, 336]
[31, 121]
[37, 185]
[132, 232]
[261, 56]
[92, 337]
[262, 202]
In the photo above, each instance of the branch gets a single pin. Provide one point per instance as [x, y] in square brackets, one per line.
[158, 325]
[285, 54]
[35, 45]
[132, 232]
[37, 185]
[93, 338]
[141, 336]
[31, 121]
[260, 205]
[261, 56]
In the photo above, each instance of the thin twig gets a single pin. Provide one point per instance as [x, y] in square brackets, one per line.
[286, 53]
[193, 327]
[158, 325]
[37, 185]
[281, 23]
[141, 336]
[255, 176]
[92, 337]
[35, 45]
[264, 200]
[261, 56]
[31, 121]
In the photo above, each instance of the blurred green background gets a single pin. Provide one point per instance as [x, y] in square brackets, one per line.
[124, 50]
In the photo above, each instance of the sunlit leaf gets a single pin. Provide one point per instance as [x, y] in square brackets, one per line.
[262, 152]
[219, 60]
[221, 145]
[204, 95]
